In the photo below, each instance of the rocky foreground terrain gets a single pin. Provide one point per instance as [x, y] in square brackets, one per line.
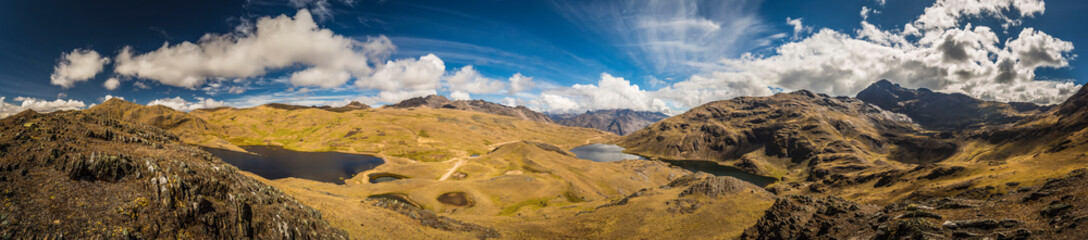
[1053, 210]
[85, 176]
[618, 121]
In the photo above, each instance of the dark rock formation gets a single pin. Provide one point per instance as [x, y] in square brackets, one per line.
[84, 176]
[719, 186]
[618, 121]
[803, 217]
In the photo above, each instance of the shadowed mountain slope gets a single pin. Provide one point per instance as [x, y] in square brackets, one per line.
[945, 111]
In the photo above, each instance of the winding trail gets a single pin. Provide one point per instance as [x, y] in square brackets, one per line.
[453, 169]
[462, 160]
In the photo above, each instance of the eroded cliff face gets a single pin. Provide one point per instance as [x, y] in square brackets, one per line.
[85, 175]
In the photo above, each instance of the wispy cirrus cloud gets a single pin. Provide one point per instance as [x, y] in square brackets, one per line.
[672, 37]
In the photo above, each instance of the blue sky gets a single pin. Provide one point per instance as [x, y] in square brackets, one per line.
[576, 55]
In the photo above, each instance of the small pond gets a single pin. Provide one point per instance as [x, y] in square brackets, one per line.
[716, 169]
[599, 152]
[608, 153]
[274, 162]
[384, 177]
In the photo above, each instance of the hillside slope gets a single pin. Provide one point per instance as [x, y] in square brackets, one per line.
[423, 134]
[798, 134]
[191, 129]
[618, 121]
[82, 175]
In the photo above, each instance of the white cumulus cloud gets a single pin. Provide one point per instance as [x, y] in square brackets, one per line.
[111, 84]
[610, 92]
[520, 83]
[38, 105]
[468, 80]
[177, 103]
[459, 95]
[77, 66]
[272, 43]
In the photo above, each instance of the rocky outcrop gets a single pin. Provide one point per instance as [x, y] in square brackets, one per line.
[1052, 210]
[436, 101]
[81, 175]
[804, 217]
[945, 111]
[430, 219]
[618, 121]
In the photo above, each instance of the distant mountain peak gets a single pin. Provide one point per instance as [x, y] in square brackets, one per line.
[936, 110]
[116, 103]
[432, 101]
[618, 121]
[356, 104]
[437, 101]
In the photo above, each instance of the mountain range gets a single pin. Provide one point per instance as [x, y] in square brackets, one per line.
[618, 121]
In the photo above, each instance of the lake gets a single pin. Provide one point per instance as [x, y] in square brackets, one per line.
[599, 152]
[274, 162]
[607, 153]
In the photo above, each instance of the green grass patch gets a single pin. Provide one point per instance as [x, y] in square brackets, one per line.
[572, 197]
[532, 203]
[426, 156]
